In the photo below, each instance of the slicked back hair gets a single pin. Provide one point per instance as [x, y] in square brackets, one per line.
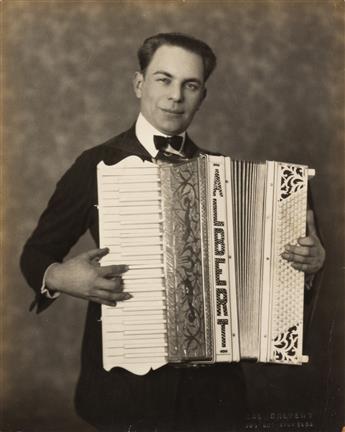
[189, 43]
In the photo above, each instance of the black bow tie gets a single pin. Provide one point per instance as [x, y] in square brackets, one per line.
[161, 142]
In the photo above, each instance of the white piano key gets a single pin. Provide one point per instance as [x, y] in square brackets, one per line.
[145, 283]
[145, 352]
[136, 187]
[146, 269]
[112, 211]
[137, 352]
[144, 303]
[145, 266]
[149, 178]
[125, 320]
[132, 351]
[140, 359]
[142, 224]
[158, 337]
[143, 234]
[149, 259]
[150, 319]
[117, 203]
[138, 346]
[142, 241]
[139, 329]
[111, 221]
[144, 289]
[148, 344]
[139, 197]
[145, 296]
[153, 241]
[119, 177]
[130, 313]
[141, 253]
[141, 306]
[147, 276]
[116, 236]
[145, 272]
[128, 171]
[128, 250]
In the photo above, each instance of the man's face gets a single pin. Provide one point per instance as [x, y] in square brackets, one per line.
[172, 89]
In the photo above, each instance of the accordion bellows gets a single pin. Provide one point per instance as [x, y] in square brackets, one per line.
[203, 240]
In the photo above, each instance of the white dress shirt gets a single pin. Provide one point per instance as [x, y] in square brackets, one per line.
[145, 133]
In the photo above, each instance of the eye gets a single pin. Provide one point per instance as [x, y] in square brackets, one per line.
[164, 80]
[192, 86]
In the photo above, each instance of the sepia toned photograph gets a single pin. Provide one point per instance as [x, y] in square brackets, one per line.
[172, 225]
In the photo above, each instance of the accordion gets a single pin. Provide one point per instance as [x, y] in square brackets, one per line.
[203, 241]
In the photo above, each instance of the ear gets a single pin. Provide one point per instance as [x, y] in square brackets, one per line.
[138, 83]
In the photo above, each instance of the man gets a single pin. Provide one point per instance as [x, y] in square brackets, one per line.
[171, 86]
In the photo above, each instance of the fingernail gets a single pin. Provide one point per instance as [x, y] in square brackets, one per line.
[124, 268]
[287, 247]
[127, 296]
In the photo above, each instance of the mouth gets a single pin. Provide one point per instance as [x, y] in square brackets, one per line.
[173, 112]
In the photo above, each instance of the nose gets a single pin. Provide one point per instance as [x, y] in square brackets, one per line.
[176, 93]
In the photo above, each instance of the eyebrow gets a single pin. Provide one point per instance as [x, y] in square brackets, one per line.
[167, 74]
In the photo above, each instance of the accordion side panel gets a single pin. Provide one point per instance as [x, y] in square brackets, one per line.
[186, 309]
[290, 206]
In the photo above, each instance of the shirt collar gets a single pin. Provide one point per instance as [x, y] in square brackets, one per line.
[145, 132]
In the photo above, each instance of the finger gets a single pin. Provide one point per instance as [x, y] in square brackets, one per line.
[96, 253]
[307, 241]
[112, 285]
[102, 296]
[103, 302]
[112, 270]
[307, 268]
[311, 229]
[301, 250]
[298, 258]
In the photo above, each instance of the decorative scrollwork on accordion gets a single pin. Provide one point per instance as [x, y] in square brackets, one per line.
[186, 331]
[285, 345]
[291, 180]
[189, 296]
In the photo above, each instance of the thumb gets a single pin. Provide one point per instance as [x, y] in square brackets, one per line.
[311, 230]
[96, 253]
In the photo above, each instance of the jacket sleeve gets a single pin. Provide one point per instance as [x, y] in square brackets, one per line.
[65, 219]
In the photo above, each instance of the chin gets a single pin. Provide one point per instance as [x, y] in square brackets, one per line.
[172, 129]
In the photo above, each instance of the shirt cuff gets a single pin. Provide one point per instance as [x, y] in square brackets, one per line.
[46, 291]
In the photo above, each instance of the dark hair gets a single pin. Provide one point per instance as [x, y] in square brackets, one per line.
[189, 43]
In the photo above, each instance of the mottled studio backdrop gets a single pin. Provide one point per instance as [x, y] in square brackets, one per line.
[277, 94]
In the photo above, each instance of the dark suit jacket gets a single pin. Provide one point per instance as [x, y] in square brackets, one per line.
[187, 398]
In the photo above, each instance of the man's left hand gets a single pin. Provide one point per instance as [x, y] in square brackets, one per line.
[308, 255]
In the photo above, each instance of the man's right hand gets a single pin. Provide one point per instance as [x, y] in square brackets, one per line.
[83, 277]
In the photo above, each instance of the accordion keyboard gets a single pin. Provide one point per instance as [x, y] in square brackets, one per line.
[135, 335]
